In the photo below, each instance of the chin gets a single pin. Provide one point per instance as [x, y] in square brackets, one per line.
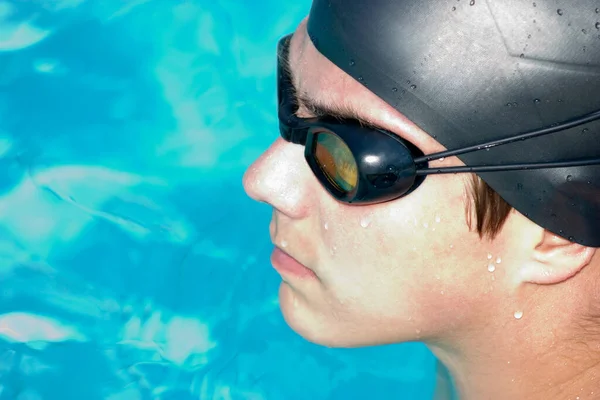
[317, 328]
[302, 320]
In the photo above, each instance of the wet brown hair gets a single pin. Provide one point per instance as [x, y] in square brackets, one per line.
[489, 210]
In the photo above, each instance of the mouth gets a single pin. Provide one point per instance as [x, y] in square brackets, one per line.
[287, 265]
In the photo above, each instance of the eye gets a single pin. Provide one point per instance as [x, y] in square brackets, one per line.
[336, 161]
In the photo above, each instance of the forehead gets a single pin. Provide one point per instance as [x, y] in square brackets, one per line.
[318, 78]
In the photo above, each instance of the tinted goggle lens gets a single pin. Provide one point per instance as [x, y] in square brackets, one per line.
[336, 161]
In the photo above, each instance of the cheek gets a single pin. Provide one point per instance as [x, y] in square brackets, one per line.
[428, 221]
[401, 251]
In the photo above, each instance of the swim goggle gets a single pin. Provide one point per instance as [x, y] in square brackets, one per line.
[365, 165]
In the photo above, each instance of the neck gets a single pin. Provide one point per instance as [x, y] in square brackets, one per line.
[518, 360]
[500, 379]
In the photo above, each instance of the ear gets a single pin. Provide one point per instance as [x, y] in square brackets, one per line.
[555, 259]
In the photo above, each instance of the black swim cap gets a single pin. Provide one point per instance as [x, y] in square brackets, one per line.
[471, 71]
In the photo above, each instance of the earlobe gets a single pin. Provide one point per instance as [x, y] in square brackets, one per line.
[555, 259]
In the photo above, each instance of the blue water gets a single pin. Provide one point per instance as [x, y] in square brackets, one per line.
[132, 265]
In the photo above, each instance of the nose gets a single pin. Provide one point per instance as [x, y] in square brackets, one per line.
[281, 177]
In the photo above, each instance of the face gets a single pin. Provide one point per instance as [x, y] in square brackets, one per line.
[407, 269]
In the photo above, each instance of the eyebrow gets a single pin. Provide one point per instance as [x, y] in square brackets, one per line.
[319, 108]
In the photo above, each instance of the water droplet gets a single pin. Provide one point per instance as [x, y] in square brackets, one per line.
[472, 3]
[518, 314]
[442, 159]
[571, 238]
[559, 11]
[597, 25]
[284, 244]
[438, 219]
[536, 101]
[394, 90]
[569, 178]
[326, 226]
[498, 260]
[360, 78]
[528, 36]
[453, 8]
[352, 63]
[489, 256]
[597, 10]
[491, 267]
[365, 222]
[585, 130]
[584, 31]
[451, 246]
[522, 55]
[413, 87]
[333, 250]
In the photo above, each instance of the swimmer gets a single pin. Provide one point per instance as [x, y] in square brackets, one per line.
[437, 179]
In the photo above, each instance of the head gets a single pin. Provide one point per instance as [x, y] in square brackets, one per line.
[450, 257]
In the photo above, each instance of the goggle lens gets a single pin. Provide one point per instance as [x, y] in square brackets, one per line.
[336, 161]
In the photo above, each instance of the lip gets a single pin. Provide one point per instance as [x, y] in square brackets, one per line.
[287, 265]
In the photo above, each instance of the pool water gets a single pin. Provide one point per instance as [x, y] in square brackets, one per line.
[132, 265]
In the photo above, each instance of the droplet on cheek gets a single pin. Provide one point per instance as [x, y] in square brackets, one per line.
[498, 260]
[326, 226]
[518, 314]
[491, 267]
[365, 221]
[437, 219]
[489, 256]
[284, 243]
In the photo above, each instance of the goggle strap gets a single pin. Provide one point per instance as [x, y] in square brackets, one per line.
[508, 167]
[528, 135]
